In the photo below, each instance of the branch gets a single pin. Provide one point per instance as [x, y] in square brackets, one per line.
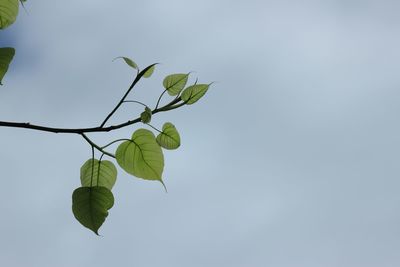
[138, 77]
[27, 125]
[93, 144]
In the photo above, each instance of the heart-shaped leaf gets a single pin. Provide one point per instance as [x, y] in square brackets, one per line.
[8, 12]
[90, 206]
[141, 156]
[6, 56]
[175, 83]
[193, 93]
[169, 137]
[104, 173]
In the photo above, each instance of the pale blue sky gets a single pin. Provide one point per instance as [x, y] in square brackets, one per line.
[290, 160]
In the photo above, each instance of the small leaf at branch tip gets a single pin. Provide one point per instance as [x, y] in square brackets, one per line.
[150, 71]
[128, 61]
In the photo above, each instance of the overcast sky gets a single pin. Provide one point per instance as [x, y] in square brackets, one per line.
[290, 160]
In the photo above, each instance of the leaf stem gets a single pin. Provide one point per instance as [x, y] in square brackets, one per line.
[134, 101]
[91, 176]
[113, 142]
[153, 127]
[98, 169]
[159, 99]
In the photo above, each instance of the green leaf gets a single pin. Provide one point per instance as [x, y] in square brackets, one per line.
[169, 137]
[6, 56]
[8, 12]
[149, 72]
[104, 173]
[175, 83]
[128, 61]
[145, 116]
[194, 92]
[141, 156]
[90, 206]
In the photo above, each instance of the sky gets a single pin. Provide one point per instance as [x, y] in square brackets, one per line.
[290, 159]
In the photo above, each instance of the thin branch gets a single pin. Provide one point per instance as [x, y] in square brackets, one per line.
[94, 145]
[138, 77]
[164, 108]
[174, 106]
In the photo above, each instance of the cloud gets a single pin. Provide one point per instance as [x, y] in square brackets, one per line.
[289, 160]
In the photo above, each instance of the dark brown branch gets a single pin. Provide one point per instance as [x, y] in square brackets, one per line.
[93, 144]
[80, 131]
[138, 77]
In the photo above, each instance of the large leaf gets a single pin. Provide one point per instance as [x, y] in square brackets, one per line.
[193, 93]
[90, 206]
[175, 83]
[141, 156]
[104, 173]
[169, 137]
[6, 56]
[8, 12]
[128, 61]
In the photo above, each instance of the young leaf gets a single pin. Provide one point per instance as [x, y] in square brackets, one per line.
[175, 83]
[104, 173]
[8, 12]
[141, 156]
[6, 56]
[169, 137]
[194, 92]
[149, 72]
[90, 206]
[128, 61]
[145, 116]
